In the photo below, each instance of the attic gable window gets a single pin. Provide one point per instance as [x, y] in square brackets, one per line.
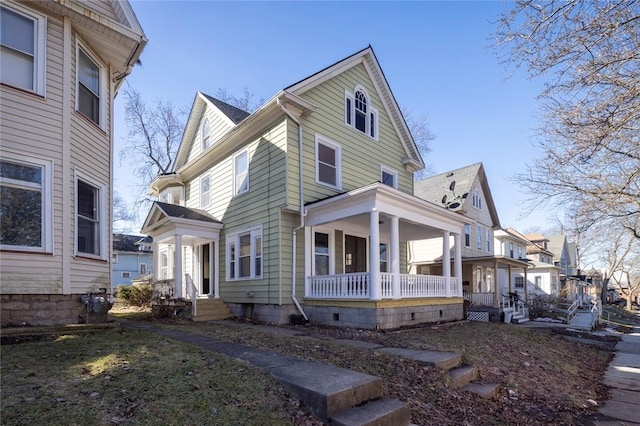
[206, 134]
[359, 113]
[476, 199]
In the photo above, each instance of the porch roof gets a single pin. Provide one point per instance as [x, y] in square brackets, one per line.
[420, 219]
[167, 220]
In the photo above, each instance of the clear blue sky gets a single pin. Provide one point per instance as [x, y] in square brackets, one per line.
[435, 56]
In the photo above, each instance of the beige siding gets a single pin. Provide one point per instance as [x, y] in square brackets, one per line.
[102, 7]
[29, 273]
[362, 156]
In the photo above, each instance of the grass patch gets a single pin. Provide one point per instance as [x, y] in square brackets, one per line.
[133, 377]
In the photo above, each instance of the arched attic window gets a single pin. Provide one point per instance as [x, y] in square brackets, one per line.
[359, 113]
[206, 134]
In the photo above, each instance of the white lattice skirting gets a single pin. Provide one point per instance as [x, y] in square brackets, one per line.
[478, 316]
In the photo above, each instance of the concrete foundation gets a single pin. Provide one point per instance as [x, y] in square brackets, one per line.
[49, 309]
[274, 314]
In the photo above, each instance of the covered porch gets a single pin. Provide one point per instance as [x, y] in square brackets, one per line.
[356, 254]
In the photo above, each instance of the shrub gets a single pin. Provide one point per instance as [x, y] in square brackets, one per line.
[135, 295]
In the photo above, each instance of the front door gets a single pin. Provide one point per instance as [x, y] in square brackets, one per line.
[205, 271]
[355, 254]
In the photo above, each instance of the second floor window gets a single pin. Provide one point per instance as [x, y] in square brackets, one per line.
[89, 90]
[205, 191]
[467, 235]
[389, 177]
[488, 240]
[143, 268]
[22, 54]
[241, 173]
[327, 162]
[359, 113]
[479, 237]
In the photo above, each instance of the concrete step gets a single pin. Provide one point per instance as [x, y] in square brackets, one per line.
[327, 390]
[487, 390]
[381, 412]
[519, 319]
[462, 376]
[442, 360]
[211, 309]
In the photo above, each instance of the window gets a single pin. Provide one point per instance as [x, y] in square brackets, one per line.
[389, 177]
[519, 283]
[479, 237]
[321, 253]
[476, 199]
[205, 190]
[206, 134]
[143, 268]
[384, 261]
[467, 235]
[538, 281]
[114, 258]
[90, 218]
[164, 265]
[89, 96]
[511, 250]
[244, 254]
[520, 254]
[26, 215]
[328, 167]
[126, 274]
[241, 173]
[22, 47]
[359, 113]
[488, 240]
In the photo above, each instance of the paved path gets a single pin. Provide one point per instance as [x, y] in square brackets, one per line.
[623, 375]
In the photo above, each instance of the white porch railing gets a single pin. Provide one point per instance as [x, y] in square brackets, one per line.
[192, 292]
[515, 305]
[355, 286]
[479, 299]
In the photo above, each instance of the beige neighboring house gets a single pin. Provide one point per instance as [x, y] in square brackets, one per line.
[544, 275]
[492, 259]
[62, 63]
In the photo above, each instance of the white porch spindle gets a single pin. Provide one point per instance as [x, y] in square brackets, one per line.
[374, 255]
[177, 273]
[457, 261]
[446, 262]
[395, 257]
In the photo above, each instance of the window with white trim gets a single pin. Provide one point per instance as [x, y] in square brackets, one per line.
[359, 112]
[520, 252]
[241, 172]
[328, 162]
[91, 89]
[90, 218]
[476, 199]
[142, 269]
[22, 48]
[389, 176]
[166, 270]
[322, 253]
[489, 240]
[26, 213]
[244, 254]
[511, 250]
[114, 258]
[479, 237]
[206, 134]
[467, 235]
[519, 282]
[205, 191]
[538, 281]
[126, 274]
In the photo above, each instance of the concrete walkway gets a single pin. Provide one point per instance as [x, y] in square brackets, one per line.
[623, 375]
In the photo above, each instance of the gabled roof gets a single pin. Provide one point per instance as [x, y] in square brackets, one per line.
[176, 211]
[233, 113]
[451, 189]
[291, 96]
[556, 246]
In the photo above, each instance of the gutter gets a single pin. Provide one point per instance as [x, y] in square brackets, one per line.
[302, 210]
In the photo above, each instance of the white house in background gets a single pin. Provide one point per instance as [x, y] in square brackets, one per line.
[493, 261]
[61, 65]
[544, 275]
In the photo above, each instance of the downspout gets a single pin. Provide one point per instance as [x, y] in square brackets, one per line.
[302, 210]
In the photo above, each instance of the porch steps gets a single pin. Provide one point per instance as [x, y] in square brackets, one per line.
[486, 390]
[462, 376]
[518, 319]
[211, 309]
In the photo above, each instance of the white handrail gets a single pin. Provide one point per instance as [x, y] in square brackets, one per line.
[192, 292]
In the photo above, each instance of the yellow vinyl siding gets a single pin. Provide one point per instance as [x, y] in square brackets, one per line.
[218, 126]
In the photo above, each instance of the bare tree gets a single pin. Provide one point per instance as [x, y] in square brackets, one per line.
[245, 101]
[589, 54]
[153, 137]
[419, 127]
[122, 214]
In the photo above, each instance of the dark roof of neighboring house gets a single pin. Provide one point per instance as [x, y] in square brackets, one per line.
[233, 113]
[174, 210]
[125, 242]
[435, 188]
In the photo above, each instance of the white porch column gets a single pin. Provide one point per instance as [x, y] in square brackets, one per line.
[446, 262]
[375, 292]
[216, 269]
[395, 256]
[177, 267]
[212, 269]
[309, 254]
[156, 262]
[457, 261]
